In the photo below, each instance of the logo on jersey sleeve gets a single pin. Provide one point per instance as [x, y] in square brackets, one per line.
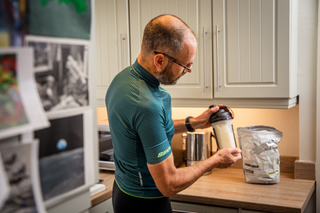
[164, 152]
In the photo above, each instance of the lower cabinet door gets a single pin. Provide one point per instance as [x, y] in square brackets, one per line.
[180, 207]
[251, 211]
[103, 207]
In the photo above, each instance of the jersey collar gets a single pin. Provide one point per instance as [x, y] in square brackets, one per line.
[144, 74]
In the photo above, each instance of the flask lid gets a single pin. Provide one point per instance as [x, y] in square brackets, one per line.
[224, 113]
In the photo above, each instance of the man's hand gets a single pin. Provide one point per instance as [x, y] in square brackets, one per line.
[171, 180]
[225, 158]
[203, 121]
[200, 122]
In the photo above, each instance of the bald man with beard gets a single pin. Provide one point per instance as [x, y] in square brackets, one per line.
[141, 127]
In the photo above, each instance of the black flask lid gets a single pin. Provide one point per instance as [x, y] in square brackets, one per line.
[224, 113]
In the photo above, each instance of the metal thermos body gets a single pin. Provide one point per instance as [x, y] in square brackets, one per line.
[198, 148]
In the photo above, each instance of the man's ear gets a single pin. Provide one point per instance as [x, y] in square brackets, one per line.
[160, 62]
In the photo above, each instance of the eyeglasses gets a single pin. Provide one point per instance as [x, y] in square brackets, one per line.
[187, 68]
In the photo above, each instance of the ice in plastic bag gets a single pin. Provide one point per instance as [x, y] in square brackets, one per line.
[260, 155]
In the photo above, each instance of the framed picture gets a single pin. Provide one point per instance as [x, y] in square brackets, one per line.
[64, 155]
[61, 72]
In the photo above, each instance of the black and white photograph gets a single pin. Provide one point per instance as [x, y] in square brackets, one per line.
[20, 167]
[42, 56]
[61, 156]
[61, 72]
[4, 184]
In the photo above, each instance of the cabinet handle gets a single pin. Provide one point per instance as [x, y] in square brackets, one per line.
[217, 57]
[204, 60]
[122, 51]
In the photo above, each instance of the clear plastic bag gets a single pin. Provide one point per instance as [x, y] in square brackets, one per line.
[260, 155]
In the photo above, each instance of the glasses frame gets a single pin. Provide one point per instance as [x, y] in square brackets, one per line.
[175, 61]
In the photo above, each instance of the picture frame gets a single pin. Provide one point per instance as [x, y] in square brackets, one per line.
[66, 153]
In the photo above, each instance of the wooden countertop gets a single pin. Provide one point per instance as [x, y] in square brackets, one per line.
[107, 178]
[228, 188]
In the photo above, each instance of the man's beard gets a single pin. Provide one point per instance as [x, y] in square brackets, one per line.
[165, 76]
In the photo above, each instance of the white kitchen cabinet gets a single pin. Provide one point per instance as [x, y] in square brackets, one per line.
[197, 14]
[112, 42]
[255, 48]
[249, 211]
[246, 56]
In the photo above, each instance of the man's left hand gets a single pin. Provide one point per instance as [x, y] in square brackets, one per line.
[203, 121]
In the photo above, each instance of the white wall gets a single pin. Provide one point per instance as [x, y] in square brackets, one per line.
[285, 120]
[307, 66]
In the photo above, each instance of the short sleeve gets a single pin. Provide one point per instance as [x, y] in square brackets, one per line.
[151, 128]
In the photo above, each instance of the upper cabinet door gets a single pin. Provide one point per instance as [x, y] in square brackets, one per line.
[197, 14]
[255, 53]
[112, 42]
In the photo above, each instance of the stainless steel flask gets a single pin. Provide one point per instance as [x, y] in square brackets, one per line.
[198, 148]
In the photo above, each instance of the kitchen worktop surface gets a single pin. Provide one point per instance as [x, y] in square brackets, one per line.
[228, 188]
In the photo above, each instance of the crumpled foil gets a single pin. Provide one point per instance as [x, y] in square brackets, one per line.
[260, 155]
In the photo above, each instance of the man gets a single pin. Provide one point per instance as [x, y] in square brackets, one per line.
[139, 113]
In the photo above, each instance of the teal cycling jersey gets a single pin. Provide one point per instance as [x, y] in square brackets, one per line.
[141, 127]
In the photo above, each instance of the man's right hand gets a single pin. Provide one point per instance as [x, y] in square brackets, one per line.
[225, 158]
[171, 180]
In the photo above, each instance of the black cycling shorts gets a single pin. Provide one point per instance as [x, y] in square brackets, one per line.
[124, 203]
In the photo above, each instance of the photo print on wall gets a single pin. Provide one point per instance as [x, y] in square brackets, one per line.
[21, 109]
[21, 167]
[61, 72]
[4, 184]
[12, 112]
[61, 156]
